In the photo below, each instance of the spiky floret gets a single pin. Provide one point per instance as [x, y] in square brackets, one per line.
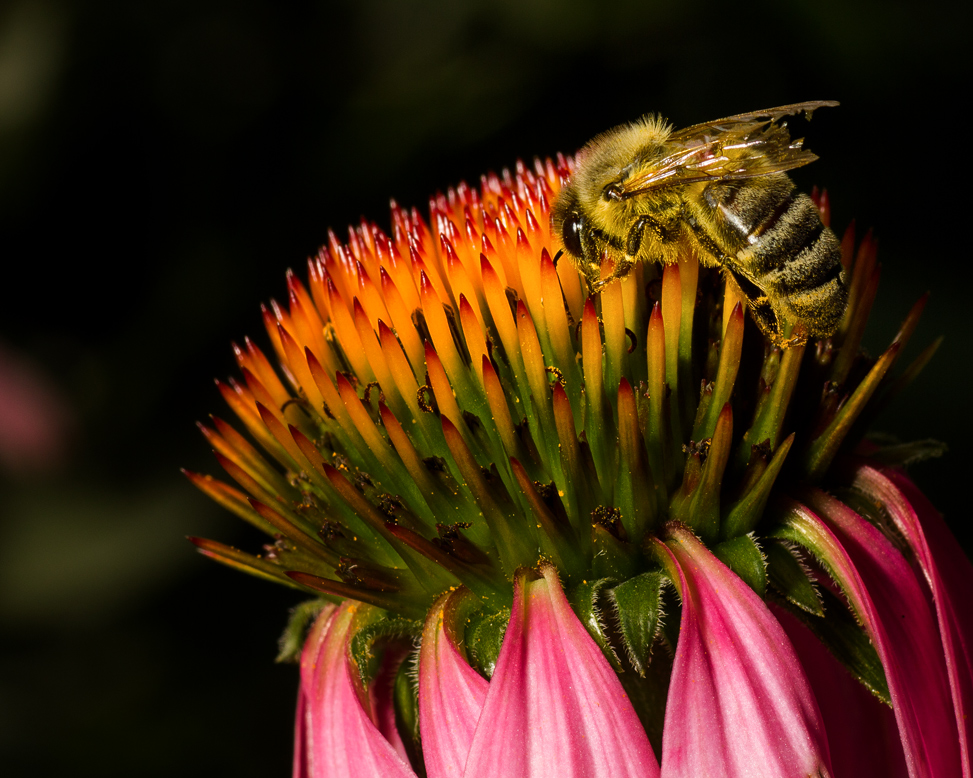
[452, 406]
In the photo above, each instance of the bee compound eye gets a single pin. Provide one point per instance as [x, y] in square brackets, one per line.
[613, 192]
[571, 234]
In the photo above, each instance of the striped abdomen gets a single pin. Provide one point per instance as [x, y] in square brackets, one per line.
[782, 248]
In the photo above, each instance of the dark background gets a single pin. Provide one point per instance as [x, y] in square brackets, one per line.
[163, 163]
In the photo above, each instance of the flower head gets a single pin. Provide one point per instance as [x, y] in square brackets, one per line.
[554, 533]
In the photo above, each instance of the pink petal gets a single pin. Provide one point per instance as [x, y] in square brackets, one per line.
[451, 693]
[341, 737]
[739, 704]
[381, 697]
[300, 737]
[862, 734]
[888, 600]
[555, 706]
[949, 574]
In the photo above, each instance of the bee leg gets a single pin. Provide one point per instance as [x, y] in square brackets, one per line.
[794, 340]
[623, 265]
[762, 312]
[635, 234]
[665, 233]
[765, 318]
[626, 262]
[771, 326]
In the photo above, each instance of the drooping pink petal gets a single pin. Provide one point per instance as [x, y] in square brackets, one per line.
[309, 659]
[451, 694]
[862, 734]
[739, 704]
[300, 737]
[887, 598]
[948, 572]
[381, 698]
[555, 706]
[341, 737]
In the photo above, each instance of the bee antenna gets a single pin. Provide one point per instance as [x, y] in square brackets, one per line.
[560, 253]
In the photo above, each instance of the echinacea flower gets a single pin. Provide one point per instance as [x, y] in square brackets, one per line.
[554, 534]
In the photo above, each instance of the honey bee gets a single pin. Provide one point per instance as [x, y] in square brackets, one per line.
[646, 192]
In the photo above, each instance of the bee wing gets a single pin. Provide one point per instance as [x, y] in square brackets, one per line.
[759, 117]
[747, 145]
